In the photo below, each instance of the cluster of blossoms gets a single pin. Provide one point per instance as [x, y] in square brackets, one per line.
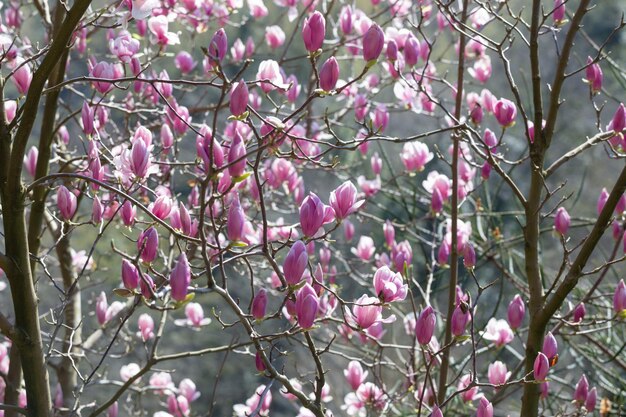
[203, 167]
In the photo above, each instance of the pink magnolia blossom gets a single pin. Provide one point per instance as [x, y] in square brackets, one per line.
[344, 201]
[146, 327]
[124, 46]
[307, 305]
[274, 36]
[389, 286]
[561, 221]
[329, 74]
[505, 111]
[373, 42]
[180, 278]
[415, 155]
[66, 202]
[355, 375]
[22, 76]
[314, 31]
[367, 311]
[159, 27]
[365, 248]
[516, 312]
[541, 367]
[497, 373]
[498, 331]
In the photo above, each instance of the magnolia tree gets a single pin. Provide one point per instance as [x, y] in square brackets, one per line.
[349, 203]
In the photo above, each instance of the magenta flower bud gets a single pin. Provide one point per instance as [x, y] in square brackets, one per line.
[436, 205]
[443, 254]
[312, 214]
[344, 200]
[485, 408]
[237, 157]
[618, 123]
[148, 244]
[390, 233]
[550, 346]
[392, 50]
[604, 196]
[581, 390]
[329, 74]
[505, 111]
[593, 75]
[295, 263]
[516, 311]
[180, 278]
[236, 221]
[128, 212]
[460, 319]
[22, 76]
[239, 98]
[545, 389]
[314, 31]
[87, 117]
[218, 46]
[561, 221]
[66, 202]
[425, 326]
[167, 137]
[485, 171]
[541, 367]
[258, 363]
[389, 286]
[490, 139]
[590, 402]
[146, 286]
[140, 159]
[469, 256]
[307, 304]
[345, 19]
[259, 304]
[579, 313]
[30, 161]
[130, 275]
[411, 51]
[101, 308]
[355, 375]
[184, 62]
[559, 12]
[373, 43]
[97, 211]
[619, 298]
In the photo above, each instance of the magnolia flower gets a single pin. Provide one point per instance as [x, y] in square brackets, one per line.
[498, 331]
